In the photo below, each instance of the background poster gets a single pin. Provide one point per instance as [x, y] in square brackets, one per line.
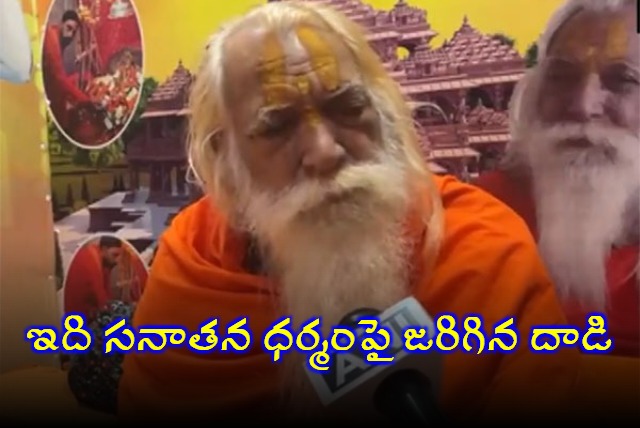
[465, 55]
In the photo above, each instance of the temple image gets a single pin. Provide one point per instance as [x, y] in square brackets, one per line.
[470, 77]
[158, 149]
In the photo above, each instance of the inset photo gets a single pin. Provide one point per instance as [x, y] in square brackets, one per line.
[104, 269]
[92, 67]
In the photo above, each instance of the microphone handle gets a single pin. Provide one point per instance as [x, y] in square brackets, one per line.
[406, 396]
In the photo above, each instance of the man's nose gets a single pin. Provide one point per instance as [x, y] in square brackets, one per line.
[322, 155]
[588, 101]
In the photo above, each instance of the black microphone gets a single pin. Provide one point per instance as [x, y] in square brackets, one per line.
[406, 395]
[402, 391]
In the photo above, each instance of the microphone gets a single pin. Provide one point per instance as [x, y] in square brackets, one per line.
[401, 391]
[406, 397]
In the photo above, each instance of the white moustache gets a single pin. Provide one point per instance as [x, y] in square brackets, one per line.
[309, 194]
[581, 145]
[594, 134]
[358, 194]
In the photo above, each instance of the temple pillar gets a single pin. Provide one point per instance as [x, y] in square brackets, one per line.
[461, 106]
[166, 178]
[134, 177]
[156, 178]
[451, 108]
[497, 96]
[175, 170]
[132, 180]
[466, 169]
[181, 179]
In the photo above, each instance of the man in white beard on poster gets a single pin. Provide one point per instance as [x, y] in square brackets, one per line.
[15, 50]
[572, 170]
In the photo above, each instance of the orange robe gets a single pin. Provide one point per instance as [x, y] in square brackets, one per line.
[86, 287]
[59, 87]
[487, 265]
[623, 312]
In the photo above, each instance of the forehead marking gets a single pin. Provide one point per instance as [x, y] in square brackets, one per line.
[301, 61]
[322, 57]
[612, 44]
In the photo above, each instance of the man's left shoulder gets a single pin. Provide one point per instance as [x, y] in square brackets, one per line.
[488, 261]
[482, 235]
[470, 209]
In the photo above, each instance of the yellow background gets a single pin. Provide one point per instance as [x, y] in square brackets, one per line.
[172, 32]
[178, 29]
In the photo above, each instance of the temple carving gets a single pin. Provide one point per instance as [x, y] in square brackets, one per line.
[470, 78]
[158, 149]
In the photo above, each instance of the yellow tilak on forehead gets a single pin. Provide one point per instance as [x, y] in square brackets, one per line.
[277, 82]
[611, 45]
[617, 43]
[273, 70]
[323, 58]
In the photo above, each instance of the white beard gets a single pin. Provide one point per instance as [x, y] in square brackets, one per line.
[587, 200]
[330, 258]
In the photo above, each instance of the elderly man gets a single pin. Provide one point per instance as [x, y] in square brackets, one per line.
[573, 168]
[318, 203]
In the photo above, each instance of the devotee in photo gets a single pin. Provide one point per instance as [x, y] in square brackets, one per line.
[103, 270]
[128, 278]
[92, 69]
[572, 171]
[60, 88]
